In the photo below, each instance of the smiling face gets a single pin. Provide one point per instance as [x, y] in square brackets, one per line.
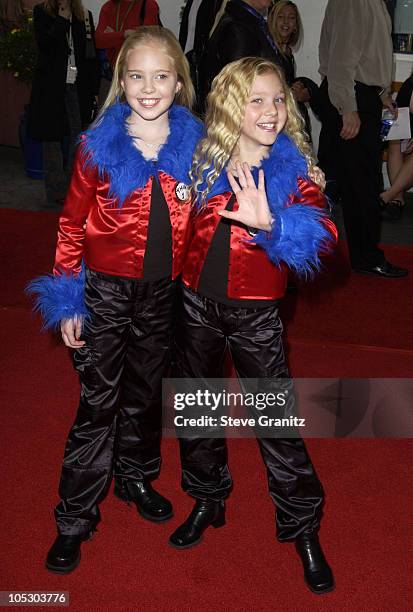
[265, 114]
[286, 22]
[150, 82]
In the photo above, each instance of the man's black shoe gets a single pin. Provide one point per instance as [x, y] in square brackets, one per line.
[385, 270]
[317, 572]
[149, 503]
[393, 210]
[64, 555]
[202, 516]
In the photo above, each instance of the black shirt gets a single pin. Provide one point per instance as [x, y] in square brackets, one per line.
[213, 282]
[157, 262]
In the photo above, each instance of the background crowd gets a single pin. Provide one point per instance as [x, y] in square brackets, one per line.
[75, 67]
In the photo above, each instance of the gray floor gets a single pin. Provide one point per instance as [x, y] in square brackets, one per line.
[16, 189]
[19, 191]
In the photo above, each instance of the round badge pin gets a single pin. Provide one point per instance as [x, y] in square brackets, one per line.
[182, 192]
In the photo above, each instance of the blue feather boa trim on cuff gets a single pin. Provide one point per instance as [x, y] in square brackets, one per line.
[298, 239]
[58, 297]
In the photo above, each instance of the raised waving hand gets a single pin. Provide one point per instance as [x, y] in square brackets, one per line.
[253, 209]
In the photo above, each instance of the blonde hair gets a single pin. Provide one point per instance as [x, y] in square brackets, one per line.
[225, 112]
[273, 27]
[52, 8]
[167, 41]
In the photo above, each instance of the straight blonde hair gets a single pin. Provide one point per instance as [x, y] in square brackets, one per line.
[272, 24]
[225, 112]
[165, 40]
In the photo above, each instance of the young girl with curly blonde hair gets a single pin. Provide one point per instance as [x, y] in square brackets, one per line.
[257, 214]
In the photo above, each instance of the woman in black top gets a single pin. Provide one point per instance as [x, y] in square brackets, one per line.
[284, 23]
[64, 86]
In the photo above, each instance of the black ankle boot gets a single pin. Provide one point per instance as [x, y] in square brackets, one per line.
[150, 504]
[64, 555]
[202, 516]
[317, 572]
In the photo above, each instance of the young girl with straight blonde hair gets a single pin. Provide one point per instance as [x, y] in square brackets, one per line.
[120, 248]
[257, 213]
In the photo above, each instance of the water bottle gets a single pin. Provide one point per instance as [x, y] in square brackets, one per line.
[387, 121]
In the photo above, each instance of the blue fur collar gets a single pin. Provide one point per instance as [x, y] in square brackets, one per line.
[282, 168]
[108, 146]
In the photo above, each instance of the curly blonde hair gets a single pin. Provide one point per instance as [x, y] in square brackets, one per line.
[273, 28]
[165, 40]
[225, 112]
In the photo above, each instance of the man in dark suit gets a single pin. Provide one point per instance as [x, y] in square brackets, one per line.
[241, 32]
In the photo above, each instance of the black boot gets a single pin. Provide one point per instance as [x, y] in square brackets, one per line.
[202, 516]
[317, 572]
[150, 504]
[64, 555]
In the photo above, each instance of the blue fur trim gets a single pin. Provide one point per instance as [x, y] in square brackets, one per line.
[282, 168]
[58, 297]
[299, 236]
[108, 146]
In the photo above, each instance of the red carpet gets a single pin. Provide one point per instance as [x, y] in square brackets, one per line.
[355, 309]
[128, 565]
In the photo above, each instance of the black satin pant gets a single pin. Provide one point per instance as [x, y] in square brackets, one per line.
[118, 423]
[205, 330]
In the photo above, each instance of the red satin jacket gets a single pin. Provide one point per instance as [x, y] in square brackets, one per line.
[114, 239]
[252, 275]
